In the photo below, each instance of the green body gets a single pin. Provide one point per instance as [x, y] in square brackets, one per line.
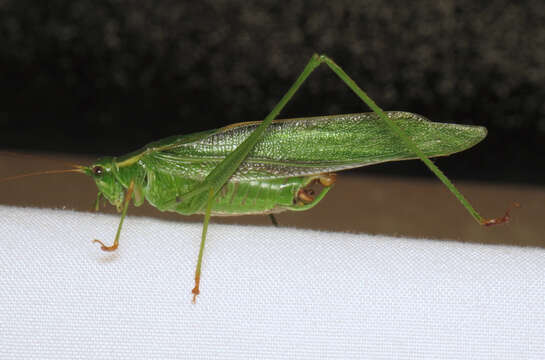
[289, 156]
[269, 166]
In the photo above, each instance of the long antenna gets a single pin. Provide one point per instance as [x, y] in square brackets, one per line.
[19, 155]
[78, 169]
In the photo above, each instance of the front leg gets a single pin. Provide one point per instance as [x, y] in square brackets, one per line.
[114, 246]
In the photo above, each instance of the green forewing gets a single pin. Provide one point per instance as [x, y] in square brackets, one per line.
[304, 146]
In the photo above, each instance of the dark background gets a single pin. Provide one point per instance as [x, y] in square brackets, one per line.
[106, 77]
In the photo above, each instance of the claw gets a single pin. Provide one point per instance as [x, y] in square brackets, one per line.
[104, 247]
[500, 220]
[195, 293]
[195, 290]
[496, 221]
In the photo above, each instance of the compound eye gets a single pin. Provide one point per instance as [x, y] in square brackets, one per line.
[98, 170]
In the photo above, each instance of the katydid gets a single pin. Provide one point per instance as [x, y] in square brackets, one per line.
[270, 166]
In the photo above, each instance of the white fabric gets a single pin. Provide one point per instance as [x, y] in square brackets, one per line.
[265, 293]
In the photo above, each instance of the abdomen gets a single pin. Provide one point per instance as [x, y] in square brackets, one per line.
[235, 198]
[256, 197]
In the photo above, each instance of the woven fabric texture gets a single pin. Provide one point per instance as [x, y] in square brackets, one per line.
[268, 293]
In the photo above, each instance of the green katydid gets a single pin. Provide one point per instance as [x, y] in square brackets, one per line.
[269, 166]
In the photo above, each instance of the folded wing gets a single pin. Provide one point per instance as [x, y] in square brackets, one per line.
[305, 146]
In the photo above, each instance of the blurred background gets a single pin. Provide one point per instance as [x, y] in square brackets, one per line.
[85, 78]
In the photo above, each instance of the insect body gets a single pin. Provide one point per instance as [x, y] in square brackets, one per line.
[271, 166]
[291, 155]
